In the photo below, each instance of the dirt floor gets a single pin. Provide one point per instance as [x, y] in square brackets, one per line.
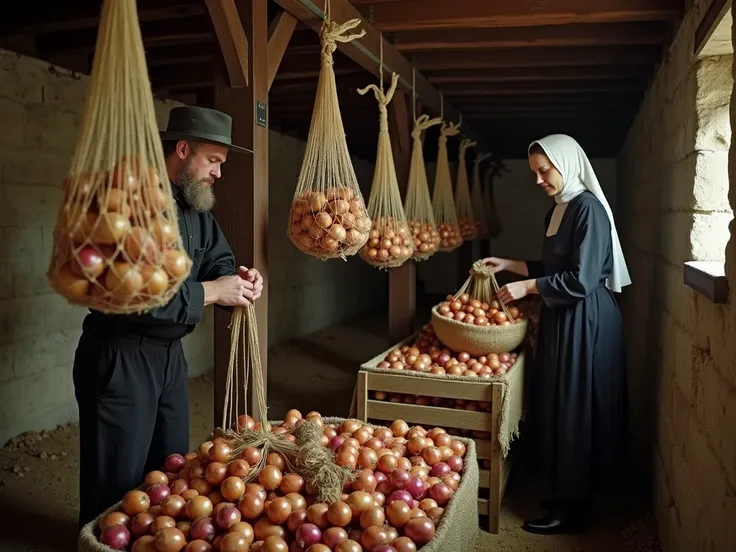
[38, 472]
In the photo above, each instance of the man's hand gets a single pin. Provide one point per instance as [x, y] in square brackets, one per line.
[228, 291]
[254, 277]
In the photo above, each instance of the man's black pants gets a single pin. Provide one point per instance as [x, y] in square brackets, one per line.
[133, 412]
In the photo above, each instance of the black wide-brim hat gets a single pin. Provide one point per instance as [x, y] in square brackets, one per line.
[201, 125]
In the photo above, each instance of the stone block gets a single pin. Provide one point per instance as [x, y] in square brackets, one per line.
[19, 78]
[14, 124]
[711, 181]
[6, 280]
[48, 129]
[716, 410]
[715, 493]
[710, 235]
[20, 244]
[29, 204]
[35, 355]
[25, 166]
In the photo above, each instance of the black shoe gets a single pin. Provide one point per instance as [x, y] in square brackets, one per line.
[555, 523]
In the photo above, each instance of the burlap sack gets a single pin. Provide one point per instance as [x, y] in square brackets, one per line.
[457, 530]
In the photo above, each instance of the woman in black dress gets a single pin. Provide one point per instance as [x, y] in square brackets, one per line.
[580, 378]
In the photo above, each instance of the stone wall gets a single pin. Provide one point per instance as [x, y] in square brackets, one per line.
[673, 187]
[40, 110]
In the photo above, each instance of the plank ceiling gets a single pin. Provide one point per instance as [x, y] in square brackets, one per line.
[515, 70]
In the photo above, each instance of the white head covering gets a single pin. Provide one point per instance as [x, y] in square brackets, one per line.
[578, 175]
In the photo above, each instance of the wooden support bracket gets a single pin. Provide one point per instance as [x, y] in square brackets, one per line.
[279, 36]
[232, 39]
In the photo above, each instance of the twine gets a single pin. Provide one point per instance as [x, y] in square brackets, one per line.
[331, 33]
[307, 456]
[482, 285]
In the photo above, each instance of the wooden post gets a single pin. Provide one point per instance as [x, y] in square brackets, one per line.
[242, 192]
[401, 280]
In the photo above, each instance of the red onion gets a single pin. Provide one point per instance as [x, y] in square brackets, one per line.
[227, 516]
[455, 462]
[380, 477]
[400, 479]
[385, 487]
[158, 493]
[174, 463]
[336, 442]
[420, 530]
[442, 359]
[417, 487]
[116, 537]
[401, 495]
[440, 469]
[202, 528]
[384, 548]
[307, 535]
[441, 492]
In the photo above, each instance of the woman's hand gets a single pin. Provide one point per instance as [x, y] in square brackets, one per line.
[516, 290]
[498, 264]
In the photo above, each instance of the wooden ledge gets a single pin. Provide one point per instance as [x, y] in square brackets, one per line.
[707, 278]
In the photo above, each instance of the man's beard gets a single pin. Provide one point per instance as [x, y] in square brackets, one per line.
[197, 193]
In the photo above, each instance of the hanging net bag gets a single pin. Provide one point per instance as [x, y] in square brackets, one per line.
[476, 195]
[463, 204]
[117, 247]
[390, 242]
[443, 204]
[494, 222]
[418, 204]
[328, 218]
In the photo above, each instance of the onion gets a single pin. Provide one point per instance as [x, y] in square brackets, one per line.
[336, 442]
[455, 462]
[440, 469]
[400, 479]
[69, 284]
[198, 546]
[334, 536]
[416, 487]
[114, 518]
[88, 263]
[170, 539]
[146, 543]
[308, 534]
[111, 228]
[400, 495]
[441, 492]
[116, 537]
[420, 530]
[227, 517]
[158, 493]
[135, 502]
[203, 528]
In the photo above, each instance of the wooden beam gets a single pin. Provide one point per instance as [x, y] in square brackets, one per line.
[232, 39]
[440, 14]
[401, 280]
[716, 12]
[546, 87]
[365, 52]
[279, 36]
[596, 34]
[54, 16]
[537, 57]
[242, 192]
[519, 74]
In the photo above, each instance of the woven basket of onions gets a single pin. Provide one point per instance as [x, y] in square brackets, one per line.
[474, 322]
[409, 489]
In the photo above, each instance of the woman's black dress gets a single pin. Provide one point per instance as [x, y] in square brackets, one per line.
[580, 376]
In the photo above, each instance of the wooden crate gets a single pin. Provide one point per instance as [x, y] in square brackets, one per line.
[493, 479]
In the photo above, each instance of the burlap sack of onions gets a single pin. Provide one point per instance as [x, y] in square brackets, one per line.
[308, 484]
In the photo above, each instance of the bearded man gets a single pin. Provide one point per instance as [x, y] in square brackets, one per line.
[130, 374]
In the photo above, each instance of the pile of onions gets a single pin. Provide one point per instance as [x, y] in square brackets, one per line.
[199, 502]
[329, 221]
[471, 311]
[389, 242]
[468, 229]
[426, 238]
[427, 354]
[120, 242]
[449, 236]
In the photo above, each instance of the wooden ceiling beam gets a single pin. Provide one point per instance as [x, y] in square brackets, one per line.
[191, 30]
[522, 74]
[441, 14]
[595, 34]
[537, 57]
[280, 33]
[55, 16]
[365, 51]
[232, 39]
[545, 87]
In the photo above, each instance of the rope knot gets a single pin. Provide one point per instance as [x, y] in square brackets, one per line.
[481, 270]
[332, 33]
